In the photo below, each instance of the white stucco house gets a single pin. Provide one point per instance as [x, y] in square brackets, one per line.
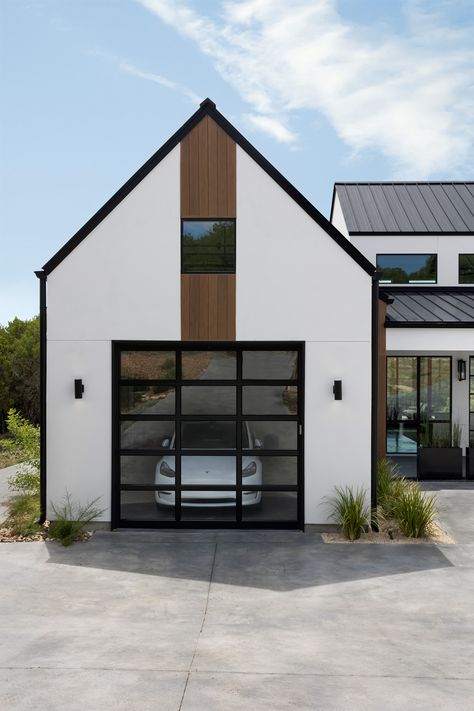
[420, 236]
[210, 346]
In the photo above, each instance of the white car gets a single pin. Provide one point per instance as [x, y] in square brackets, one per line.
[201, 470]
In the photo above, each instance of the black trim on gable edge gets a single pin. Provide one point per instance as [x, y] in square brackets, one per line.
[42, 284]
[208, 108]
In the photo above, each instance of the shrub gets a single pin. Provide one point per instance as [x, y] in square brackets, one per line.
[24, 441]
[390, 486]
[350, 511]
[23, 515]
[415, 511]
[71, 519]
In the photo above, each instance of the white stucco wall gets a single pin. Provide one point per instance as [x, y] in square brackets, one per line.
[121, 282]
[295, 283]
[337, 218]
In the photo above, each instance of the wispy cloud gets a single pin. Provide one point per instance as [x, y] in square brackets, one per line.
[408, 95]
[148, 76]
[158, 79]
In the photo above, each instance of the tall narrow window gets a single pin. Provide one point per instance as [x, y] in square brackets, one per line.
[466, 268]
[208, 246]
[407, 268]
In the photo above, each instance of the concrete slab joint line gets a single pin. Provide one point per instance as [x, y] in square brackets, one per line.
[202, 625]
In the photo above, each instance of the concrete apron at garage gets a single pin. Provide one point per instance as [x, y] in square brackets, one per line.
[202, 620]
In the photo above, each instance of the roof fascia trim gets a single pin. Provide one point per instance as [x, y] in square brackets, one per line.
[208, 108]
[429, 324]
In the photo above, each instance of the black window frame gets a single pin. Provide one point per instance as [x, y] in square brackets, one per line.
[406, 254]
[208, 219]
[239, 382]
[465, 254]
[416, 423]
[471, 392]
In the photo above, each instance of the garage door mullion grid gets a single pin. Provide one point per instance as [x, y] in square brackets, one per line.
[239, 418]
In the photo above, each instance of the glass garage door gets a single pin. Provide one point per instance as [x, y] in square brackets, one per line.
[207, 435]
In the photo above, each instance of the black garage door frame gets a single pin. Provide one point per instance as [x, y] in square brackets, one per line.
[179, 347]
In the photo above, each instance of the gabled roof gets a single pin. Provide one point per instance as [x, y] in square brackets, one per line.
[208, 108]
[419, 307]
[407, 208]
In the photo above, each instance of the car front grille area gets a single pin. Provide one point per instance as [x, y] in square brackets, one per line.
[216, 502]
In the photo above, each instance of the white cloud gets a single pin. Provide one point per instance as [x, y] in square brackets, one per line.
[158, 79]
[272, 126]
[408, 95]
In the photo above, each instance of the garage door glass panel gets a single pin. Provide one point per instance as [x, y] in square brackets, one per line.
[208, 434]
[270, 365]
[148, 365]
[273, 471]
[269, 400]
[206, 470]
[146, 434]
[196, 507]
[144, 470]
[272, 434]
[208, 400]
[273, 506]
[147, 400]
[143, 506]
[209, 365]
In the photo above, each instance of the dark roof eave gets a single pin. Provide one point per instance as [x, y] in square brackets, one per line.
[208, 108]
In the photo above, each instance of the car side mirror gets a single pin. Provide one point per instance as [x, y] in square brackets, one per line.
[165, 443]
[258, 444]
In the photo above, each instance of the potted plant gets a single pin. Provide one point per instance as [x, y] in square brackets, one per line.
[439, 456]
[470, 463]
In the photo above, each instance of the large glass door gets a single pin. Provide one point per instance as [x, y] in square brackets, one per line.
[418, 401]
[207, 435]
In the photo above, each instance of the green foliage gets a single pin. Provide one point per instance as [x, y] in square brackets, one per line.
[23, 515]
[24, 441]
[446, 440]
[350, 511]
[390, 485]
[19, 369]
[71, 519]
[415, 511]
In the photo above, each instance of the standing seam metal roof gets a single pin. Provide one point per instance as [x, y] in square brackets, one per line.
[407, 208]
[430, 306]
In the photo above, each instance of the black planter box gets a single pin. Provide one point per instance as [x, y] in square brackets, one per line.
[470, 463]
[439, 463]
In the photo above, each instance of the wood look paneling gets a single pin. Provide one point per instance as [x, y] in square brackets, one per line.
[208, 173]
[382, 384]
[208, 307]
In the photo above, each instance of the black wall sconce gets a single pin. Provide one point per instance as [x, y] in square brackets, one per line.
[337, 389]
[78, 388]
[461, 369]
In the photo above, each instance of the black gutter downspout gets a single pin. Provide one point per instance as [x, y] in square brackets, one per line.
[375, 391]
[42, 277]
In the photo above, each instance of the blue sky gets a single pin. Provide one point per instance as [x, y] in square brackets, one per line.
[327, 89]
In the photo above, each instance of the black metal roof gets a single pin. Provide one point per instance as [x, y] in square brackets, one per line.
[448, 307]
[407, 208]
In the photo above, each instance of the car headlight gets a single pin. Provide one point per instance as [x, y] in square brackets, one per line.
[166, 470]
[250, 469]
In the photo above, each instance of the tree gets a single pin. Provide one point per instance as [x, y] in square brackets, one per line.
[19, 369]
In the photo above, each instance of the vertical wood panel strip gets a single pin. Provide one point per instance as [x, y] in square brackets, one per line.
[213, 183]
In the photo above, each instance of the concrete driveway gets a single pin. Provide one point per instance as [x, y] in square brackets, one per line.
[235, 620]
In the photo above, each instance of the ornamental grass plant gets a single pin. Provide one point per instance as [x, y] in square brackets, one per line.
[350, 511]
